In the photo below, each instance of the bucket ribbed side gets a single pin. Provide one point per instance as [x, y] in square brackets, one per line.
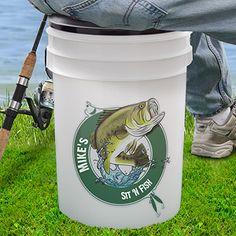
[118, 58]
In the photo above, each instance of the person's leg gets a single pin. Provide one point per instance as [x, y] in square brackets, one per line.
[214, 17]
[209, 98]
[208, 84]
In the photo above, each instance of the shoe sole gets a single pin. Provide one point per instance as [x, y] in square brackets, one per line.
[212, 150]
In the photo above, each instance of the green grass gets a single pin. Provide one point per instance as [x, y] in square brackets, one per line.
[28, 191]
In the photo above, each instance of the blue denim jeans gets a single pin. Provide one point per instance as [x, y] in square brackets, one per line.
[208, 84]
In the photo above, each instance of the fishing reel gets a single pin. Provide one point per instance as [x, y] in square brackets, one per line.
[40, 106]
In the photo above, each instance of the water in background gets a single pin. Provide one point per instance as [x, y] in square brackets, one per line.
[19, 23]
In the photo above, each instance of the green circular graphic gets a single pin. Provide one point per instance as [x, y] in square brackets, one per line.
[109, 194]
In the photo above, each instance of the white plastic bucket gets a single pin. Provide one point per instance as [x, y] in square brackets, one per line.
[119, 120]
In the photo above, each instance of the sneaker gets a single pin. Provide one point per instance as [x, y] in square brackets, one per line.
[214, 140]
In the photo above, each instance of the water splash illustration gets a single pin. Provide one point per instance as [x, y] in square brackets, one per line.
[116, 178]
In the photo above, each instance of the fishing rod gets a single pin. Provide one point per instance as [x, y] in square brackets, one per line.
[41, 116]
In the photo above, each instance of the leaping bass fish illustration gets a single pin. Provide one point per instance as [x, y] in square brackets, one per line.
[118, 131]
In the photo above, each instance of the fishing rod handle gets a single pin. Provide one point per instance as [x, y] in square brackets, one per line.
[21, 86]
[15, 104]
[4, 137]
[28, 66]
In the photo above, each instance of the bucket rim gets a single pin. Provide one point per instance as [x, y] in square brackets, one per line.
[120, 39]
[68, 24]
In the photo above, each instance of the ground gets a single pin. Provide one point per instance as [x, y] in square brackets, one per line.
[28, 191]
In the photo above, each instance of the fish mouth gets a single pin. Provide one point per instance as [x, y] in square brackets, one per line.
[152, 118]
[157, 119]
[141, 130]
[153, 112]
[152, 115]
[153, 107]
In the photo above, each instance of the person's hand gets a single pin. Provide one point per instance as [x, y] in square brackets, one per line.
[122, 14]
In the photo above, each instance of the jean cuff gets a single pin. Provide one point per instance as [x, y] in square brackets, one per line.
[220, 109]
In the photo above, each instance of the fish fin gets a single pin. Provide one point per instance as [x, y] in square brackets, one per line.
[104, 115]
[124, 159]
[131, 147]
[138, 158]
[93, 141]
[106, 165]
